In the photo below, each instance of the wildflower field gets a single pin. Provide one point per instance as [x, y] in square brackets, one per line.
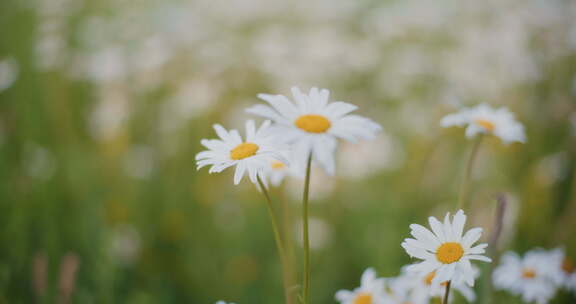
[297, 152]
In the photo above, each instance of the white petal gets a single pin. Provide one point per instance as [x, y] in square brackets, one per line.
[324, 150]
[267, 112]
[235, 137]
[471, 237]
[222, 133]
[448, 228]
[367, 276]
[478, 249]
[344, 296]
[338, 109]
[281, 104]
[437, 228]
[458, 225]
[250, 130]
[424, 267]
[419, 244]
[425, 236]
[417, 252]
[478, 257]
[239, 172]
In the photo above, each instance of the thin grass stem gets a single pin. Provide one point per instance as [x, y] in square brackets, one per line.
[465, 185]
[278, 240]
[306, 280]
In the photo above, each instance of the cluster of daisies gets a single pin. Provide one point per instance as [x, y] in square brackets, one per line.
[306, 128]
[536, 276]
[311, 125]
[446, 253]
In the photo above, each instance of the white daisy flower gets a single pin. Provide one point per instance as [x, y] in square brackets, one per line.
[252, 155]
[414, 288]
[371, 290]
[483, 119]
[445, 250]
[277, 171]
[527, 276]
[313, 125]
[564, 271]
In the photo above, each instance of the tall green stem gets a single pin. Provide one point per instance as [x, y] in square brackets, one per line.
[447, 293]
[286, 224]
[278, 239]
[464, 186]
[306, 283]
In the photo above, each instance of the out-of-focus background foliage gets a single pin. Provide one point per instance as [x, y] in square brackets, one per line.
[103, 105]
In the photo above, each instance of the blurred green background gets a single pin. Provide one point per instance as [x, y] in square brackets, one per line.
[103, 105]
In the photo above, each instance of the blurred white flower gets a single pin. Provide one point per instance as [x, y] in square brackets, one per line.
[483, 119]
[564, 270]
[109, 114]
[313, 124]
[8, 73]
[50, 51]
[277, 171]
[321, 233]
[371, 290]
[152, 54]
[319, 181]
[139, 162]
[192, 99]
[222, 302]
[490, 58]
[39, 162]
[369, 157]
[415, 288]
[552, 168]
[445, 250]
[125, 244]
[105, 66]
[250, 156]
[529, 276]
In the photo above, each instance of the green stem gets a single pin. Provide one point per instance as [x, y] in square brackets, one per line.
[447, 293]
[278, 239]
[306, 283]
[464, 186]
[288, 245]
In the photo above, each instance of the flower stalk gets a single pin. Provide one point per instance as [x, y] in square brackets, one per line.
[306, 240]
[278, 240]
[447, 293]
[465, 185]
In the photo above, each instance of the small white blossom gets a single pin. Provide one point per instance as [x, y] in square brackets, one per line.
[483, 119]
[529, 276]
[251, 156]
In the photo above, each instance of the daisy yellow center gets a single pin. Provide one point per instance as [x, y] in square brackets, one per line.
[276, 165]
[429, 277]
[363, 298]
[244, 150]
[568, 265]
[449, 253]
[528, 273]
[486, 124]
[313, 123]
